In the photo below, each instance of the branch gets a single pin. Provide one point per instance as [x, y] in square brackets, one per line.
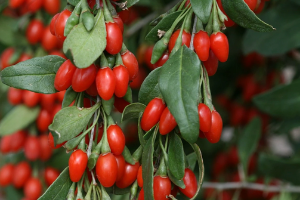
[193, 33]
[254, 186]
[92, 133]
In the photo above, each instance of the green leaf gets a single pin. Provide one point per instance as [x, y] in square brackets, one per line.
[150, 89]
[132, 111]
[282, 101]
[176, 162]
[248, 141]
[201, 169]
[164, 25]
[177, 182]
[85, 46]
[202, 9]
[282, 169]
[73, 2]
[240, 13]
[108, 105]
[8, 32]
[147, 163]
[178, 83]
[118, 191]
[59, 188]
[17, 119]
[283, 40]
[69, 97]
[192, 160]
[70, 121]
[36, 74]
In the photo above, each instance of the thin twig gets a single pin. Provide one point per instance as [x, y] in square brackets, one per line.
[140, 24]
[254, 186]
[92, 133]
[193, 33]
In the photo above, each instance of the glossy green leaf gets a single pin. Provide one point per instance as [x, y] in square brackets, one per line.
[8, 32]
[149, 133]
[248, 141]
[176, 162]
[240, 13]
[69, 97]
[164, 25]
[85, 46]
[36, 74]
[128, 95]
[178, 83]
[132, 111]
[17, 119]
[70, 121]
[73, 2]
[59, 189]
[150, 89]
[147, 162]
[285, 38]
[282, 101]
[282, 169]
[202, 9]
[201, 169]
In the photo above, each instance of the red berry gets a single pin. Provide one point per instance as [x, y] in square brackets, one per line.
[131, 63]
[50, 175]
[202, 45]
[49, 41]
[229, 22]
[106, 83]
[33, 5]
[84, 78]
[122, 80]
[130, 175]
[140, 177]
[58, 53]
[119, 21]
[107, 169]
[31, 99]
[21, 174]
[52, 23]
[186, 39]
[116, 139]
[61, 23]
[64, 76]
[190, 182]
[6, 175]
[77, 165]
[5, 144]
[220, 46]
[148, 55]
[141, 195]
[34, 32]
[32, 148]
[114, 38]
[44, 120]
[162, 60]
[51, 6]
[167, 122]
[251, 3]
[121, 166]
[215, 132]
[120, 104]
[46, 150]
[15, 96]
[5, 58]
[47, 101]
[204, 117]
[18, 140]
[161, 188]
[211, 65]
[152, 113]
[33, 188]
[137, 82]
[15, 3]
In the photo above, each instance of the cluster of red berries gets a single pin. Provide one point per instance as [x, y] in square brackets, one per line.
[21, 177]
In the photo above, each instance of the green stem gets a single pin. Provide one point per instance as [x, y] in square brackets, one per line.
[162, 169]
[138, 153]
[124, 49]
[110, 121]
[103, 61]
[165, 155]
[88, 195]
[206, 91]
[216, 23]
[107, 15]
[79, 188]
[119, 60]
[182, 4]
[71, 192]
[199, 25]
[188, 21]
[112, 9]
